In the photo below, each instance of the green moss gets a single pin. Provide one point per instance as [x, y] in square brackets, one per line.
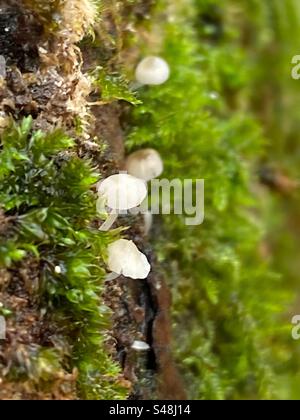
[113, 87]
[273, 33]
[226, 299]
[46, 189]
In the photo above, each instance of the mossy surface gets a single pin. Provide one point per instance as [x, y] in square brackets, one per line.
[47, 199]
[227, 300]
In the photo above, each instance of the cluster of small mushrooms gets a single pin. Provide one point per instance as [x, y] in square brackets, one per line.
[126, 191]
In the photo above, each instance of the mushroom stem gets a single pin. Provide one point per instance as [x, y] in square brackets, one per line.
[112, 217]
[111, 276]
[135, 85]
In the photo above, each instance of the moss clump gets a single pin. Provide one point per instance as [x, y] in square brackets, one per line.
[113, 87]
[47, 200]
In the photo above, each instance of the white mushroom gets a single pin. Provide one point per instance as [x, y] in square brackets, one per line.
[121, 192]
[152, 71]
[140, 346]
[57, 269]
[125, 258]
[145, 164]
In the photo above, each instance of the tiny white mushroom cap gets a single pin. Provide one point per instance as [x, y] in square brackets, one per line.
[57, 269]
[152, 71]
[145, 164]
[125, 258]
[122, 191]
[140, 345]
